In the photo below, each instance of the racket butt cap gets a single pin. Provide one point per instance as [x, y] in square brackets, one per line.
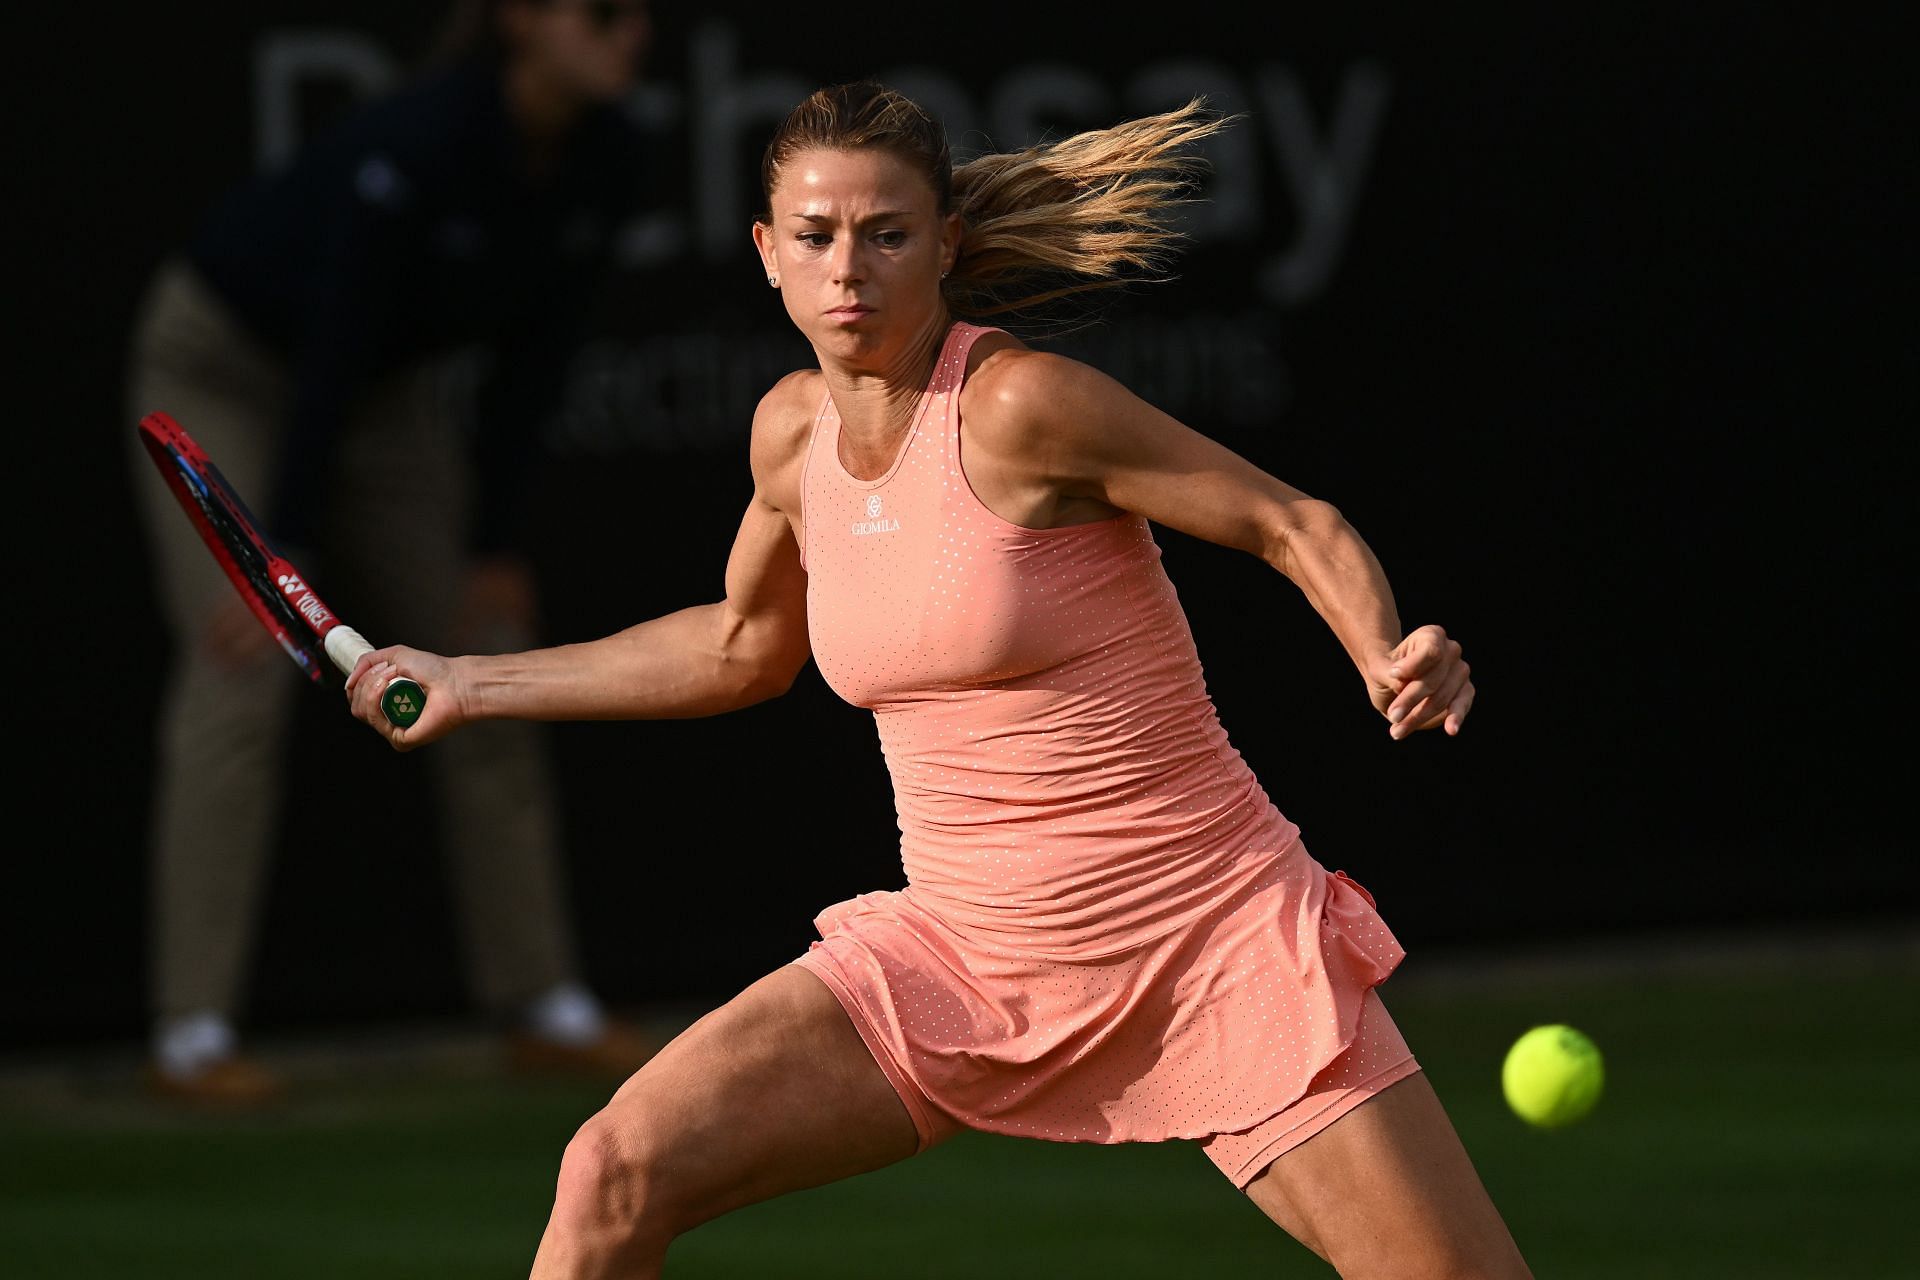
[403, 700]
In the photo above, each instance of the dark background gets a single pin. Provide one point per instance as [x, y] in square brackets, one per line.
[1611, 363]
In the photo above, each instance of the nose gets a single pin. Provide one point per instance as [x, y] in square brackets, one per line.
[848, 262]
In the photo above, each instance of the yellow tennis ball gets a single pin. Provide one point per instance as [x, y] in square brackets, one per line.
[1552, 1076]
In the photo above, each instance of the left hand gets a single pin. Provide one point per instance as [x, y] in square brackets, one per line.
[499, 607]
[1421, 683]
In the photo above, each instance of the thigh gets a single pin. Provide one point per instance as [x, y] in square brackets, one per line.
[1388, 1190]
[179, 368]
[773, 1092]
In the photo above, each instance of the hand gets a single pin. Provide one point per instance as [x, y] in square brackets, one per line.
[234, 639]
[438, 676]
[1422, 683]
[498, 610]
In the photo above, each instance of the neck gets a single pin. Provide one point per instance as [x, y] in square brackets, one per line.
[876, 404]
[543, 109]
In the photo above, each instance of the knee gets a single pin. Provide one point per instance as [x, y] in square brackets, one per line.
[1484, 1266]
[1446, 1262]
[611, 1197]
[1487, 1254]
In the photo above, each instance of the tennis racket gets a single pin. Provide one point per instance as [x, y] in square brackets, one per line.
[276, 592]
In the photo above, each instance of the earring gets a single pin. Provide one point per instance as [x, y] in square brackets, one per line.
[773, 282]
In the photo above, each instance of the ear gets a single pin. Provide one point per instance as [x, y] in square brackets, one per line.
[763, 241]
[510, 22]
[951, 230]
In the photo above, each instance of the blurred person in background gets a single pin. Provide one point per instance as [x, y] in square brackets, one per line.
[304, 335]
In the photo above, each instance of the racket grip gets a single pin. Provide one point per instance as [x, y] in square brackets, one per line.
[403, 700]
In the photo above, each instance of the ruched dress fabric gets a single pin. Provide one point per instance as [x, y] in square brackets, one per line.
[1108, 931]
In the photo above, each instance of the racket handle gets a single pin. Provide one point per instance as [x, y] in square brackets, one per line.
[403, 700]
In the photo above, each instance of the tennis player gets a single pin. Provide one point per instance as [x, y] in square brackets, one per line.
[1109, 932]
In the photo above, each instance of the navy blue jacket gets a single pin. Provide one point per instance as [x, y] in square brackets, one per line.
[415, 228]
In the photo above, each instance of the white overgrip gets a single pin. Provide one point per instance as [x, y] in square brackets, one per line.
[345, 645]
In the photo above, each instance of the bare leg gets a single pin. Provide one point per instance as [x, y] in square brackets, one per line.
[1387, 1190]
[772, 1092]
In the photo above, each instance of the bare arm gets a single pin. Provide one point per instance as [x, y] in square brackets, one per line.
[1055, 434]
[698, 661]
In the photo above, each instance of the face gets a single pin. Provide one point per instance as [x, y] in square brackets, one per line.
[858, 248]
[593, 47]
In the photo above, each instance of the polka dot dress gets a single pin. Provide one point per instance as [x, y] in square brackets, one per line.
[1108, 932]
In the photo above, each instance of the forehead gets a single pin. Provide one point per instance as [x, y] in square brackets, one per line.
[823, 180]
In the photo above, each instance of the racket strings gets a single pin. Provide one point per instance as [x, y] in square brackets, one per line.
[243, 550]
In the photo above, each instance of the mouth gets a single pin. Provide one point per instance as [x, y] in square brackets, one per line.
[851, 311]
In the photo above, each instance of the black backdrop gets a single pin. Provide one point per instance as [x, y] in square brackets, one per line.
[1588, 319]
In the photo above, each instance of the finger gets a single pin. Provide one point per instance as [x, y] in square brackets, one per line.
[1409, 661]
[368, 706]
[1405, 706]
[1446, 707]
[1459, 675]
[355, 680]
[1434, 711]
[1457, 713]
[1423, 704]
[1413, 720]
[372, 680]
[1421, 650]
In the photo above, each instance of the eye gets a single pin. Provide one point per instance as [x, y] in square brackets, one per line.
[890, 239]
[814, 239]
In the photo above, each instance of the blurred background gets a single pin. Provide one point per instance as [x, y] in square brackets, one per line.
[1592, 319]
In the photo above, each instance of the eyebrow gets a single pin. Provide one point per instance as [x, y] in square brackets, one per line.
[885, 215]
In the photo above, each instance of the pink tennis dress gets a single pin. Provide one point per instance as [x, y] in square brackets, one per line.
[1108, 932]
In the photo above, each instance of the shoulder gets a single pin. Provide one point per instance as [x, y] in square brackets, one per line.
[1007, 373]
[428, 132]
[446, 104]
[608, 134]
[782, 428]
[1016, 397]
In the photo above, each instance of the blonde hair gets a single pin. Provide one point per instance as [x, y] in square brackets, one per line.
[1065, 222]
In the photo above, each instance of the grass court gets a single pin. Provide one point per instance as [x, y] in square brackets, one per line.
[1759, 1121]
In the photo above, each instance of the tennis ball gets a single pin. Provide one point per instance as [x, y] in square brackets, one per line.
[1552, 1076]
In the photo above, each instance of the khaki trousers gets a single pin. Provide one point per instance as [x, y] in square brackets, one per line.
[392, 545]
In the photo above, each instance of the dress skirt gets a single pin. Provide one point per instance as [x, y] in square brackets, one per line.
[1213, 1028]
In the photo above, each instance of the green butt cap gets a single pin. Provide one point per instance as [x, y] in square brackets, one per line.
[403, 701]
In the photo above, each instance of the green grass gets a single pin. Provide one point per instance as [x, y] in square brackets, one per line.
[1756, 1126]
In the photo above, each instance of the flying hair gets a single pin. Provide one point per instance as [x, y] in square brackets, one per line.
[1048, 231]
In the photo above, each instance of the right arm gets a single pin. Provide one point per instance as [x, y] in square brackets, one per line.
[700, 661]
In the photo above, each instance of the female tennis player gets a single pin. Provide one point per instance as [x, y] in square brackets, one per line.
[1109, 932]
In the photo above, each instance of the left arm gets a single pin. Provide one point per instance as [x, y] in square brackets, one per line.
[526, 377]
[1055, 433]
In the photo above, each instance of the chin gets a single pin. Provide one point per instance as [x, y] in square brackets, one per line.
[848, 344]
[613, 84]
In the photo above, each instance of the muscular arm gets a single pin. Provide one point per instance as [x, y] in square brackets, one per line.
[698, 661]
[1054, 435]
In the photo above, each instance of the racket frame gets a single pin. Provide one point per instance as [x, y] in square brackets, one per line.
[274, 589]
